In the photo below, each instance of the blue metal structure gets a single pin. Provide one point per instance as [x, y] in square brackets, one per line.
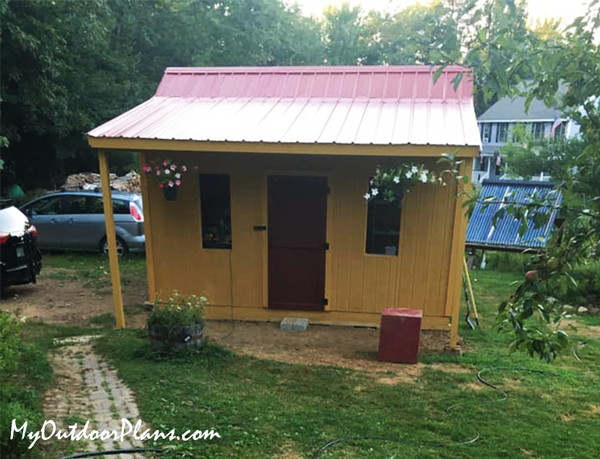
[482, 234]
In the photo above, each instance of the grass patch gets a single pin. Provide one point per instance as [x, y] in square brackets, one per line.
[107, 319]
[23, 388]
[263, 409]
[92, 269]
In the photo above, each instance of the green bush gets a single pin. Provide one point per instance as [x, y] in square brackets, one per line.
[9, 342]
[584, 284]
[503, 261]
[20, 400]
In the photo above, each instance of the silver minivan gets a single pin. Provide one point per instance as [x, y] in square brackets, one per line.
[74, 220]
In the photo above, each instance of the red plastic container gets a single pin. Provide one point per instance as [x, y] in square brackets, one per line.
[399, 335]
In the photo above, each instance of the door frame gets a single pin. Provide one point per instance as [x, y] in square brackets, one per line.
[329, 175]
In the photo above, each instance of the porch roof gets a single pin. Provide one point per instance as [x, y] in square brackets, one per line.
[343, 106]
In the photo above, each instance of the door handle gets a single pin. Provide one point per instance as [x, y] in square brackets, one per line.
[53, 220]
[71, 220]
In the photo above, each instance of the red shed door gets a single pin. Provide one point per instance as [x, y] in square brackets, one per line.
[297, 230]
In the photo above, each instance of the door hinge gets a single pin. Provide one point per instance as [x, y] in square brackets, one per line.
[325, 301]
[326, 246]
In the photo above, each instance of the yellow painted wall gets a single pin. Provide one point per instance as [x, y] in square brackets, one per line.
[359, 286]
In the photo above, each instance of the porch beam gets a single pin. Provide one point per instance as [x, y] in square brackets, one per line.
[113, 257]
[434, 151]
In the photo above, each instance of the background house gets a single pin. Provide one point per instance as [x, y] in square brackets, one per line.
[497, 123]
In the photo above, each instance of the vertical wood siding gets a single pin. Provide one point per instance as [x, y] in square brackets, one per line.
[355, 282]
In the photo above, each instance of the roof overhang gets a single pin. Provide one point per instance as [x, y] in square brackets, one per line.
[105, 143]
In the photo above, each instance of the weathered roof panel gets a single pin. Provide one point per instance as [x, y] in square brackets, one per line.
[505, 235]
[396, 105]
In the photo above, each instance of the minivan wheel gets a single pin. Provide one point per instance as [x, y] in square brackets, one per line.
[121, 246]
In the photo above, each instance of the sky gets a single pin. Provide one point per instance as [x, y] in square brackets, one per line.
[567, 10]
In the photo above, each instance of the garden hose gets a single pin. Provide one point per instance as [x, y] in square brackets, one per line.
[476, 437]
[114, 452]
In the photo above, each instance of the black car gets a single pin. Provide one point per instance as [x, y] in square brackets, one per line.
[20, 258]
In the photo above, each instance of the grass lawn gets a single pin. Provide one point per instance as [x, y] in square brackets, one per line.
[265, 409]
[92, 269]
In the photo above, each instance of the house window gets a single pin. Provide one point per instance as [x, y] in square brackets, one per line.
[485, 132]
[215, 205]
[383, 226]
[502, 133]
[537, 130]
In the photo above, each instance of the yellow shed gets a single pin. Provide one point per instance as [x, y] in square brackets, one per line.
[270, 218]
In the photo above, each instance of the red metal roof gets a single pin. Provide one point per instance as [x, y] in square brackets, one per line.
[384, 105]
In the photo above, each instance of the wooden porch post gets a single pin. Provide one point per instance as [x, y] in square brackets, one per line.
[115, 275]
[147, 228]
[458, 252]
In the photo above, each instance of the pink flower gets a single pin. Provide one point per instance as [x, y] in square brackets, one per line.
[165, 162]
[183, 169]
[177, 182]
[157, 172]
[173, 167]
[177, 175]
[167, 171]
[171, 184]
[147, 168]
[161, 185]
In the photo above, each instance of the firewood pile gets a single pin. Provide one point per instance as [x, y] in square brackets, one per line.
[129, 183]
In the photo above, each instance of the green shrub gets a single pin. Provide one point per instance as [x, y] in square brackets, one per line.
[584, 283]
[503, 261]
[9, 342]
[178, 310]
[20, 401]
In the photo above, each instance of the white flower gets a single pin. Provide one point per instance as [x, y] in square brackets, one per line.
[167, 171]
[374, 191]
[177, 175]
[423, 177]
[414, 169]
[396, 179]
[409, 174]
[367, 196]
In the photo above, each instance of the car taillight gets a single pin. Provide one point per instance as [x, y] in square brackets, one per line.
[4, 237]
[33, 231]
[135, 213]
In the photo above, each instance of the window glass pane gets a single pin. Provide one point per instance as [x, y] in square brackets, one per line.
[76, 205]
[120, 207]
[502, 133]
[46, 206]
[486, 132]
[383, 226]
[94, 205]
[215, 205]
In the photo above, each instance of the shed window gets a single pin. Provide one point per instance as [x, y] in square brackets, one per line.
[215, 203]
[383, 226]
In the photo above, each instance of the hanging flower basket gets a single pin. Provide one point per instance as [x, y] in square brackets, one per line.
[392, 184]
[168, 175]
[170, 193]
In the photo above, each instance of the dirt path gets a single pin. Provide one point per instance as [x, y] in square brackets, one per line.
[87, 389]
[67, 302]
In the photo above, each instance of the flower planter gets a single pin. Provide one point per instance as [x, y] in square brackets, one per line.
[179, 337]
[170, 193]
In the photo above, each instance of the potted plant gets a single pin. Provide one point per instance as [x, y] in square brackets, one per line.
[168, 175]
[177, 322]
